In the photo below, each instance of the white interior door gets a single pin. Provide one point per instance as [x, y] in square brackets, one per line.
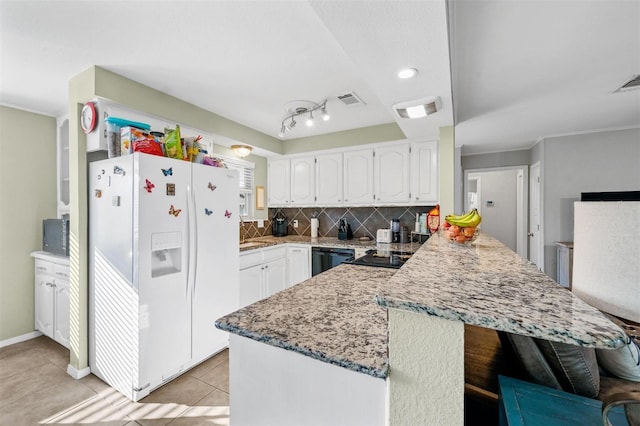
[535, 229]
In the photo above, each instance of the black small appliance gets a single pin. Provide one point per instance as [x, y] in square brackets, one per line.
[344, 230]
[382, 259]
[55, 236]
[279, 225]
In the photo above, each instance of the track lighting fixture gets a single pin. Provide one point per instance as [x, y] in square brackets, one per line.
[297, 108]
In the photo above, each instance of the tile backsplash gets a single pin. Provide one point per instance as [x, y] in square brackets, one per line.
[364, 221]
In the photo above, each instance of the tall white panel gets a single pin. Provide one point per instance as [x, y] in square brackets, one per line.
[302, 181]
[216, 233]
[358, 177]
[161, 244]
[329, 179]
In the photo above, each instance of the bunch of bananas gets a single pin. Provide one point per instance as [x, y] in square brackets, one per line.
[469, 220]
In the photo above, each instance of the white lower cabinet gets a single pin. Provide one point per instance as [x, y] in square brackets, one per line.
[52, 297]
[298, 264]
[262, 273]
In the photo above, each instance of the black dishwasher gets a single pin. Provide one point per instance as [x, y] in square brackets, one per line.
[324, 258]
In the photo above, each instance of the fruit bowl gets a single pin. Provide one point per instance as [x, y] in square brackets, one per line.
[460, 235]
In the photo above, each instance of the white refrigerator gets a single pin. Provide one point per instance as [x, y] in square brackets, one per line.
[163, 266]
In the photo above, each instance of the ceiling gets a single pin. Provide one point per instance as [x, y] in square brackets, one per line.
[519, 70]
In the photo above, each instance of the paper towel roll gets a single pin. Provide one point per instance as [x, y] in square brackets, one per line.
[314, 227]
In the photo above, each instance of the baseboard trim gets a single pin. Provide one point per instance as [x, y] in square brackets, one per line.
[78, 374]
[19, 339]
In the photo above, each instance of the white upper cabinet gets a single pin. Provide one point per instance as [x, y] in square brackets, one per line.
[385, 174]
[303, 181]
[358, 177]
[424, 172]
[329, 179]
[63, 165]
[391, 174]
[279, 183]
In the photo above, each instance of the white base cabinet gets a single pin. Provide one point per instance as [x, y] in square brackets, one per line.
[262, 273]
[51, 295]
[298, 263]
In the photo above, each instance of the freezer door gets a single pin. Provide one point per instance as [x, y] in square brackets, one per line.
[216, 290]
[161, 246]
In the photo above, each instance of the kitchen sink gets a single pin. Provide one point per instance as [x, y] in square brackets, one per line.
[252, 244]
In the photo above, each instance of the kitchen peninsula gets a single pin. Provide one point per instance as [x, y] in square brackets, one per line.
[326, 351]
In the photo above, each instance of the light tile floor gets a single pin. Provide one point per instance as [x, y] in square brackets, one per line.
[35, 389]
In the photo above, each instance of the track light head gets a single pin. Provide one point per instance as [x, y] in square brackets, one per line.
[298, 108]
[325, 114]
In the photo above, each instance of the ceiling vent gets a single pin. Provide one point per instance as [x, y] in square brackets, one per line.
[631, 84]
[351, 99]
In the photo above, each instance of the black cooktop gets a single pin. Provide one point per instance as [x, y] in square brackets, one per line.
[382, 259]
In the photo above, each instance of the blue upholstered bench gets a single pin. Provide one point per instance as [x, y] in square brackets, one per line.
[523, 403]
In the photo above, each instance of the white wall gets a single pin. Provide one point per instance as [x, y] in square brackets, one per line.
[604, 161]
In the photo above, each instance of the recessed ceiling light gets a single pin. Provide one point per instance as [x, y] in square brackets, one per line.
[407, 73]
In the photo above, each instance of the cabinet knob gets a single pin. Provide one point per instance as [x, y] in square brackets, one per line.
[266, 266]
[417, 198]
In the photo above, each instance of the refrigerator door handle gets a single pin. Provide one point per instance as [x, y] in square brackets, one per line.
[191, 247]
[193, 237]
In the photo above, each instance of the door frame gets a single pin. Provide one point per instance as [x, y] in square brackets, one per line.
[522, 201]
[540, 247]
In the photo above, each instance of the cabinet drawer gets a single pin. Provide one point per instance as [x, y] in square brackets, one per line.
[61, 271]
[250, 258]
[42, 266]
[274, 253]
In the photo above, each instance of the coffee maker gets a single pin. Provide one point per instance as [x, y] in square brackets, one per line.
[394, 226]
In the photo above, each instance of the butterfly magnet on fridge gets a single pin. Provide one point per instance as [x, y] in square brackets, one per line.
[148, 185]
[173, 211]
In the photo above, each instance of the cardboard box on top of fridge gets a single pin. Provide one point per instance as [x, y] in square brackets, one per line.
[128, 135]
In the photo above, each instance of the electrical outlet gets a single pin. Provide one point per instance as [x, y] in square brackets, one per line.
[260, 223]
[295, 223]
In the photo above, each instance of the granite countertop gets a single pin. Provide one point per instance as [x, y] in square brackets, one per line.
[331, 317]
[334, 317]
[322, 242]
[488, 285]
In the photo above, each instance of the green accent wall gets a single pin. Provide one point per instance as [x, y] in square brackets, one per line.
[364, 135]
[27, 195]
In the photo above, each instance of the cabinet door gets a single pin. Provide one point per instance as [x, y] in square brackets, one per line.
[44, 312]
[424, 172]
[275, 276]
[391, 174]
[302, 181]
[298, 264]
[358, 177]
[251, 285]
[329, 179]
[61, 303]
[279, 180]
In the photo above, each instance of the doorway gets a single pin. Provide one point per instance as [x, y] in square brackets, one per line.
[501, 197]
